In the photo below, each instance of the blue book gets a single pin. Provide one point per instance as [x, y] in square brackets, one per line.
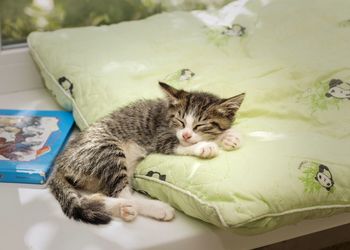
[30, 140]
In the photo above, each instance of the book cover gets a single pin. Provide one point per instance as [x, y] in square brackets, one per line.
[30, 140]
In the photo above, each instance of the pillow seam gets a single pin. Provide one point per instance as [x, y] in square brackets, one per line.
[43, 67]
[292, 211]
[287, 212]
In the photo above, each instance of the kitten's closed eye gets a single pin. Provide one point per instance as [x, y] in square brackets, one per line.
[199, 126]
[209, 126]
[180, 122]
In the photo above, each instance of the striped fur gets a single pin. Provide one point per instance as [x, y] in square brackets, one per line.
[102, 158]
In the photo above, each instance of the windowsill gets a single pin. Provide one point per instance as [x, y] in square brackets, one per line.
[35, 99]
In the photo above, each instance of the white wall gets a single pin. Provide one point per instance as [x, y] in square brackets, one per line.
[18, 71]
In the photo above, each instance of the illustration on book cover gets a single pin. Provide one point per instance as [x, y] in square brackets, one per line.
[23, 138]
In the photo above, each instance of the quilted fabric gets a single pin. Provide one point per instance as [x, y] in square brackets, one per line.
[291, 57]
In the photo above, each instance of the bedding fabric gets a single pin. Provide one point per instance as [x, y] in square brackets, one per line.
[291, 57]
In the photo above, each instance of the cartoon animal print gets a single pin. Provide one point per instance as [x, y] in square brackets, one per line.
[186, 74]
[324, 177]
[338, 89]
[161, 177]
[344, 24]
[66, 84]
[180, 76]
[234, 30]
[315, 177]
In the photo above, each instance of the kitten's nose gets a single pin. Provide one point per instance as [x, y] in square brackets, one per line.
[186, 135]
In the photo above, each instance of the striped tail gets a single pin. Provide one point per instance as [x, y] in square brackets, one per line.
[77, 206]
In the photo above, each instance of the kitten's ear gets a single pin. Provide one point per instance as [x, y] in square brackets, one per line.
[231, 105]
[173, 94]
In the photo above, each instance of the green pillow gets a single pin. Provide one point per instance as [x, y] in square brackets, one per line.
[294, 162]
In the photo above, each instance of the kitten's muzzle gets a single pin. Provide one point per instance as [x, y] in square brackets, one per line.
[186, 135]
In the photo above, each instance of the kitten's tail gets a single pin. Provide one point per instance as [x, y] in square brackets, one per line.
[89, 209]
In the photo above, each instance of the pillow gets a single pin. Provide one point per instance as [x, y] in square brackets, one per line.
[294, 163]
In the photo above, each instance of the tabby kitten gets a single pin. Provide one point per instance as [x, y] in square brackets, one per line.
[92, 175]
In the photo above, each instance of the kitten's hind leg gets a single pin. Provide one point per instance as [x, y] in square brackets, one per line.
[118, 207]
[148, 207]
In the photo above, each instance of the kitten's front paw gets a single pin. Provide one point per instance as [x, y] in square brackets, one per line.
[230, 139]
[206, 149]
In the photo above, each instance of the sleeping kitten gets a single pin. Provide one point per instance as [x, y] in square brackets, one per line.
[101, 160]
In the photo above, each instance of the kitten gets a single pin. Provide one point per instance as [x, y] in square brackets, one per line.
[102, 159]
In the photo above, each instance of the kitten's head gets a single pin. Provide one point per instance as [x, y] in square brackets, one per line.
[199, 116]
